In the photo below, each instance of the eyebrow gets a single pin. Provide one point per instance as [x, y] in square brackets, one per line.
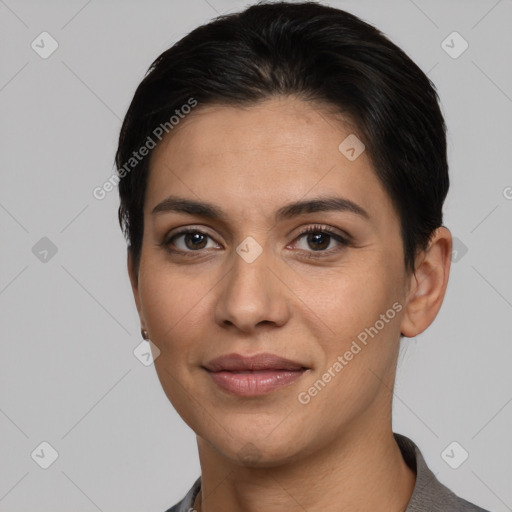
[204, 209]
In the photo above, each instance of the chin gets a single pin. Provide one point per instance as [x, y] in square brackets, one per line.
[256, 449]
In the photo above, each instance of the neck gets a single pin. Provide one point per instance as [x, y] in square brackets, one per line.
[362, 472]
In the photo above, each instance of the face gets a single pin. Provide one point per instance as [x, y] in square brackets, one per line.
[251, 280]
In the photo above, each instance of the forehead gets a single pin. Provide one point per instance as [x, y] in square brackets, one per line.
[280, 150]
[284, 126]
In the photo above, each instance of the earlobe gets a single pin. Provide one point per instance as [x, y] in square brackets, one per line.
[428, 284]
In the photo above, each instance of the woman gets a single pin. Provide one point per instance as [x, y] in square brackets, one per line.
[282, 176]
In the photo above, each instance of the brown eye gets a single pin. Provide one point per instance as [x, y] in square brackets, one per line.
[321, 240]
[188, 240]
[318, 241]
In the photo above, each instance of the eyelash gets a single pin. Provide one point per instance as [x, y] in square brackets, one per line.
[317, 228]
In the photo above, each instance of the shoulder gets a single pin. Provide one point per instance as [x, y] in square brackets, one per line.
[429, 494]
[187, 503]
[437, 497]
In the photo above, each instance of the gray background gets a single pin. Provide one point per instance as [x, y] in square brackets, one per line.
[68, 375]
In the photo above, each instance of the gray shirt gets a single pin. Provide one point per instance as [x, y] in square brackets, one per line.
[429, 495]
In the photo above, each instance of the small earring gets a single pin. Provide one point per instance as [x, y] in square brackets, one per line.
[144, 334]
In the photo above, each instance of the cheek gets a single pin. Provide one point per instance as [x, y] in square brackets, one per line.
[174, 308]
[358, 354]
[359, 317]
[173, 305]
[352, 298]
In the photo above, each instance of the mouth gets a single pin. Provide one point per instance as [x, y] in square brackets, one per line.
[253, 375]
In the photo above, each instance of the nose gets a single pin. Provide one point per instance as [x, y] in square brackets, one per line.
[252, 297]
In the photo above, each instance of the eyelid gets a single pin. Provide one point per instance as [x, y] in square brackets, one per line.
[187, 229]
[324, 228]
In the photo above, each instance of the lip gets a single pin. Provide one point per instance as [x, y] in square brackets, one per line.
[253, 375]
[257, 362]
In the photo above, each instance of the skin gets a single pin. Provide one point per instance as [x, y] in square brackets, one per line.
[336, 452]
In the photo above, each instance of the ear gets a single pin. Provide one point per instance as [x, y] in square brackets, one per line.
[134, 280]
[427, 285]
